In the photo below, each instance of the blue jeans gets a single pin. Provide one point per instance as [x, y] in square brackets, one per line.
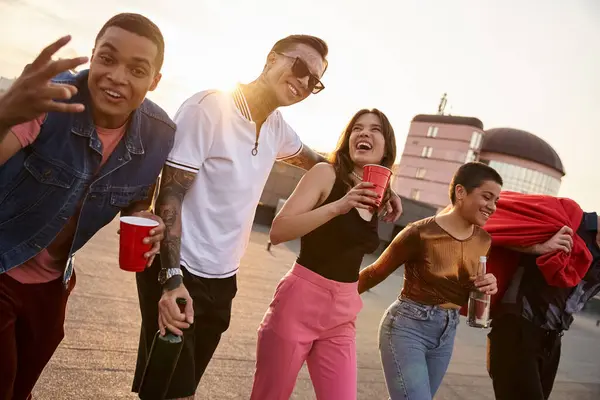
[415, 343]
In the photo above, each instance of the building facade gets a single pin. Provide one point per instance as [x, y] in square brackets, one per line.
[436, 146]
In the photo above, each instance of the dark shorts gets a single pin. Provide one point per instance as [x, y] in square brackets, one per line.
[212, 299]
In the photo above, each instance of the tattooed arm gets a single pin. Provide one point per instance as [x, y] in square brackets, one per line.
[174, 185]
[305, 159]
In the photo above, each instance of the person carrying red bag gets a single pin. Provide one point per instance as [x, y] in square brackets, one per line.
[546, 256]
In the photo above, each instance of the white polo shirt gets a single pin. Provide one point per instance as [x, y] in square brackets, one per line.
[214, 139]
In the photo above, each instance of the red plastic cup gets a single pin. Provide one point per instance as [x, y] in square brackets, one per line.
[132, 247]
[378, 176]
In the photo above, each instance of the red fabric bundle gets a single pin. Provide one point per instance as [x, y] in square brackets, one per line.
[523, 220]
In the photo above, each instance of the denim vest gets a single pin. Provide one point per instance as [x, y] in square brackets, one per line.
[43, 184]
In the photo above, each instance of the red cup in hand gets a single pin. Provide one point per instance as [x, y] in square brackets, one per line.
[132, 247]
[378, 176]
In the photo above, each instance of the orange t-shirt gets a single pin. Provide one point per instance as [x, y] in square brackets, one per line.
[50, 263]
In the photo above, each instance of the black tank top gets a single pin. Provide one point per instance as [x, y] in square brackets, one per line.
[335, 249]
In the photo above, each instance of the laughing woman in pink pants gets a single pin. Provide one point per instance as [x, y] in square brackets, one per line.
[312, 314]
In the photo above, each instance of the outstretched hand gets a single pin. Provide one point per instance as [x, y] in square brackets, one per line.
[33, 94]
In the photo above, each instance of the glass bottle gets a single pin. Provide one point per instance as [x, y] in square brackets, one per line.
[478, 314]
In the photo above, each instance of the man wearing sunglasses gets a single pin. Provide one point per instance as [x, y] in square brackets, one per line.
[225, 147]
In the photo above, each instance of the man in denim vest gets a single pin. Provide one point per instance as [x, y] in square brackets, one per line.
[75, 150]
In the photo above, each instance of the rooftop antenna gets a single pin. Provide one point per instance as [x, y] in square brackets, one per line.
[442, 105]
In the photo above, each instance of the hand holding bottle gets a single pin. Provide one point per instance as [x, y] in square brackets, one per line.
[170, 316]
[487, 284]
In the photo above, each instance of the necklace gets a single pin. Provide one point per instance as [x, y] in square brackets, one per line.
[357, 176]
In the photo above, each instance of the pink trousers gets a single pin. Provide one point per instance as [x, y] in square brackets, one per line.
[310, 319]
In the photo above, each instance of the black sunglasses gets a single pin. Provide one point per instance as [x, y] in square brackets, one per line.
[300, 70]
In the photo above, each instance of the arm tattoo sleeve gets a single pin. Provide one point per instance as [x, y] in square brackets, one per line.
[174, 185]
[306, 159]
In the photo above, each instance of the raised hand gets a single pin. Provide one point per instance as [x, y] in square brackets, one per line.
[32, 94]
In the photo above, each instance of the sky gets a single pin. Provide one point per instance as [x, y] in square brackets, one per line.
[532, 65]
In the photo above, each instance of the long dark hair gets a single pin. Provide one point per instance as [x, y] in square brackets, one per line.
[340, 157]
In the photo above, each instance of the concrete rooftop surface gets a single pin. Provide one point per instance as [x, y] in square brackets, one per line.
[96, 359]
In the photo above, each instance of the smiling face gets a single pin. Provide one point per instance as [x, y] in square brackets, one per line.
[286, 87]
[478, 205]
[367, 139]
[122, 71]
[367, 143]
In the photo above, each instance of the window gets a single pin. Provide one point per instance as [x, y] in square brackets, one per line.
[525, 180]
[432, 131]
[476, 140]
[420, 173]
[470, 156]
[415, 194]
[473, 140]
[427, 151]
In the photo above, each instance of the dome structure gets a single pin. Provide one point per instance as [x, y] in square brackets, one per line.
[521, 144]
